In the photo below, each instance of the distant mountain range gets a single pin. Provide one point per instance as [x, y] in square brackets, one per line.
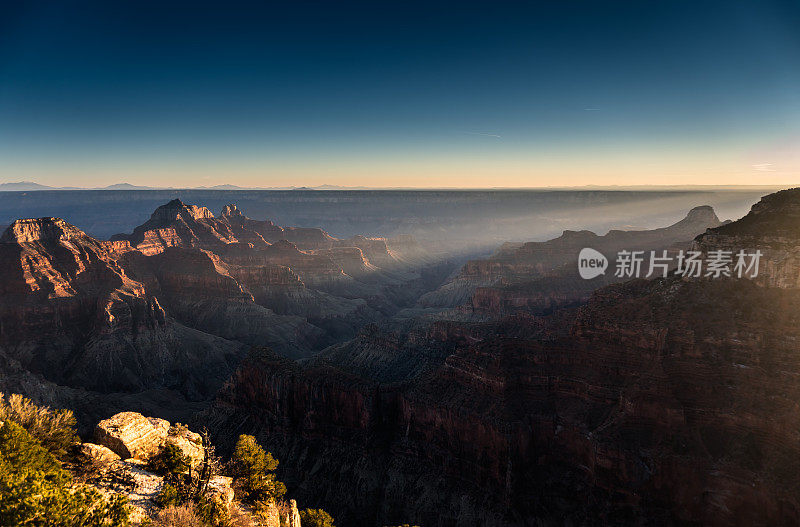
[27, 186]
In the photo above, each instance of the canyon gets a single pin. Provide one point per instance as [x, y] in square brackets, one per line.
[399, 384]
[169, 310]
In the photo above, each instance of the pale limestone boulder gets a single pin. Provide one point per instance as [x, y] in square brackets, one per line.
[98, 454]
[191, 444]
[131, 435]
[162, 425]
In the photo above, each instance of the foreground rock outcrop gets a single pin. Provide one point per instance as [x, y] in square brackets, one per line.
[120, 463]
[131, 435]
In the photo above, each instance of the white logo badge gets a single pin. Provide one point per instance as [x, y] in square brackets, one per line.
[591, 263]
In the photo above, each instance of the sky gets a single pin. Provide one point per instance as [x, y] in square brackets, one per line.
[400, 94]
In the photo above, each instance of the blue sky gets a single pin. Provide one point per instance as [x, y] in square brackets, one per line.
[476, 94]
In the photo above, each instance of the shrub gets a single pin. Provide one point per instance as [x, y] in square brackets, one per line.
[35, 490]
[179, 516]
[168, 497]
[170, 460]
[316, 518]
[253, 470]
[213, 511]
[54, 429]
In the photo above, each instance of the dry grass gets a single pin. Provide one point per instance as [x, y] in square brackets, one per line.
[178, 516]
[243, 518]
[186, 516]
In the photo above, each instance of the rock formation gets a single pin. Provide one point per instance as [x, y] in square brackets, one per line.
[132, 435]
[773, 228]
[70, 312]
[293, 516]
[99, 455]
[126, 442]
[333, 284]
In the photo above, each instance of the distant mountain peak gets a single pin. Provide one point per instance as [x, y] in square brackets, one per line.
[126, 186]
[177, 208]
[23, 186]
[703, 213]
[701, 216]
[174, 204]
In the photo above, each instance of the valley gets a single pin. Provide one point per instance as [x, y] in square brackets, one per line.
[398, 383]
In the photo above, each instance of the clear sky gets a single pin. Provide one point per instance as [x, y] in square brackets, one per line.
[458, 94]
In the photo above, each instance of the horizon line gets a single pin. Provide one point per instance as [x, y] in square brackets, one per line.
[30, 186]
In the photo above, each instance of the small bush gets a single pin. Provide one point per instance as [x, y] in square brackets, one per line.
[213, 511]
[316, 518]
[253, 470]
[171, 460]
[168, 497]
[178, 516]
[53, 429]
